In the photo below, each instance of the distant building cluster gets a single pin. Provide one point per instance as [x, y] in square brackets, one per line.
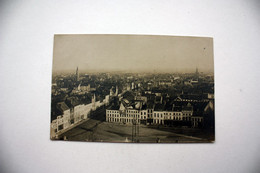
[165, 100]
[130, 98]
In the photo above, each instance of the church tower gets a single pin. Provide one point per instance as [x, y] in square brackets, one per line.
[77, 74]
[94, 102]
[197, 73]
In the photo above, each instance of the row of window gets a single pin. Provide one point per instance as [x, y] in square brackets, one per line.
[156, 115]
[118, 120]
[127, 115]
[109, 111]
[150, 111]
[165, 117]
[156, 121]
[128, 111]
[170, 113]
[144, 113]
[122, 115]
[132, 111]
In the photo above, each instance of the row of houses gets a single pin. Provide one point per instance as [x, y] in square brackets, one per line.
[73, 114]
[141, 112]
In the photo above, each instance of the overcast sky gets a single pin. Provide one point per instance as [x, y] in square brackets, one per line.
[132, 53]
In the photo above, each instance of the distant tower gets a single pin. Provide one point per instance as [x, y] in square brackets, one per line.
[197, 71]
[94, 102]
[79, 86]
[133, 85]
[77, 74]
[116, 90]
[111, 92]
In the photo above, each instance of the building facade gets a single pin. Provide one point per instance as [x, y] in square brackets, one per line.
[73, 115]
[157, 115]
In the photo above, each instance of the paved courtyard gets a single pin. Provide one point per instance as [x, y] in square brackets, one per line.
[99, 131]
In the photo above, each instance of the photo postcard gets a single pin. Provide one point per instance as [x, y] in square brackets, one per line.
[132, 89]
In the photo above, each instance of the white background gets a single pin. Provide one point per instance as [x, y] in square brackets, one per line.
[26, 46]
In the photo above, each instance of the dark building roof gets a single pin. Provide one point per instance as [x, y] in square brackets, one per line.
[191, 96]
[150, 104]
[177, 108]
[54, 113]
[150, 96]
[168, 106]
[199, 106]
[187, 108]
[72, 102]
[159, 107]
[62, 106]
[114, 107]
[128, 95]
[158, 98]
[125, 102]
[144, 107]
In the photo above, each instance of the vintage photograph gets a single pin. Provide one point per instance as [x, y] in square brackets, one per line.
[133, 89]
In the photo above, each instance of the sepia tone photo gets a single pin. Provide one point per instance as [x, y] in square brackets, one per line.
[133, 89]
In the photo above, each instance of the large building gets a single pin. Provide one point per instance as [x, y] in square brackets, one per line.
[182, 111]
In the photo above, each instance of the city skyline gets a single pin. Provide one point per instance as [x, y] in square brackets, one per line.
[133, 88]
[132, 53]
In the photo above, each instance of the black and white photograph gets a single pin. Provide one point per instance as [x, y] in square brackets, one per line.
[133, 89]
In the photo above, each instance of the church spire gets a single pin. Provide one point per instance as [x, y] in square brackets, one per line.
[77, 74]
